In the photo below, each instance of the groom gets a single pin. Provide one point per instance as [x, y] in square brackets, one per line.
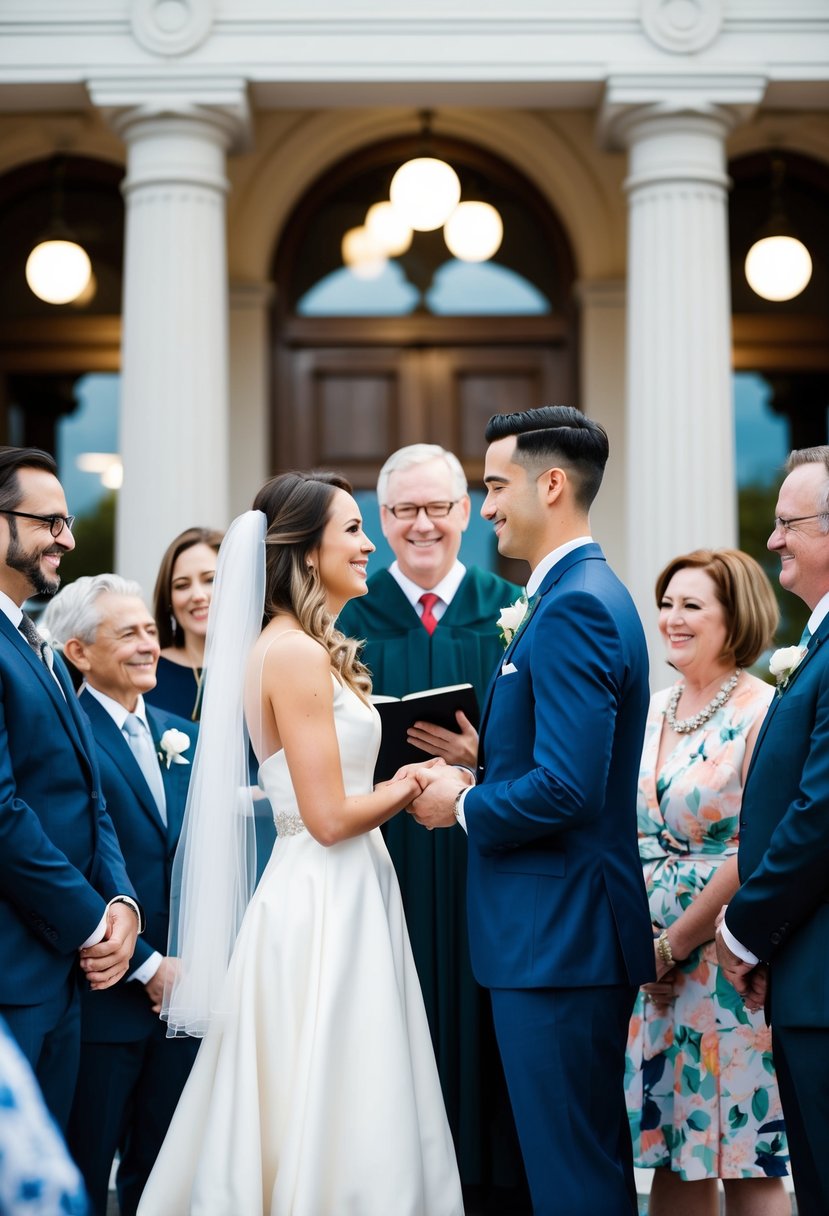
[558, 919]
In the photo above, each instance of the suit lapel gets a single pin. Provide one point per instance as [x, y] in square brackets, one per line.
[63, 698]
[814, 646]
[551, 578]
[111, 740]
[172, 776]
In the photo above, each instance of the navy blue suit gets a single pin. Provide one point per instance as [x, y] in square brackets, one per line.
[781, 911]
[558, 918]
[60, 861]
[131, 1074]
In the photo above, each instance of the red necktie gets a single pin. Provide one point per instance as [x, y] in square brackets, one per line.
[429, 621]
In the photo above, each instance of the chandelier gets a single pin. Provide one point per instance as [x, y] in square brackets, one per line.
[425, 194]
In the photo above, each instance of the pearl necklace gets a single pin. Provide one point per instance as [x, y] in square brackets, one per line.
[686, 725]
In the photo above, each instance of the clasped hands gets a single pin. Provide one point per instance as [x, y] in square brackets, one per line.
[751, 981]
[105, 964]
[440, 784]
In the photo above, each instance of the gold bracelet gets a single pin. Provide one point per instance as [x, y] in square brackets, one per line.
[663, 949]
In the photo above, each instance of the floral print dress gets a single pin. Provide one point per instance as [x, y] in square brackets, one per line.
[699, 1078]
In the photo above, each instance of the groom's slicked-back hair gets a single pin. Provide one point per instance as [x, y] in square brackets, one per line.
[557, 434]
[12, 460]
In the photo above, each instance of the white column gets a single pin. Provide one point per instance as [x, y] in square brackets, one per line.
[250, 366]
[681, 477]
[174, 393]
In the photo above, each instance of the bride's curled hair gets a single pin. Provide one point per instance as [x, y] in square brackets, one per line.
[296, 507]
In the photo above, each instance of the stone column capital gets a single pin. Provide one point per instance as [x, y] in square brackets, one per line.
[634, 105]
[214, 109]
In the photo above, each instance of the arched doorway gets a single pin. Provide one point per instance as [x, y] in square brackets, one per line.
[429, 351]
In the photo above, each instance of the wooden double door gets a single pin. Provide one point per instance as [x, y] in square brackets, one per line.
[348, 392]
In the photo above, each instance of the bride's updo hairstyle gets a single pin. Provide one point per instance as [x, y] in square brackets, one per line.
[297, 507]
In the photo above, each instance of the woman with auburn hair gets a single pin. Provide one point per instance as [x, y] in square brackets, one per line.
[700, 1086]
[315, 1090]
[181, 601]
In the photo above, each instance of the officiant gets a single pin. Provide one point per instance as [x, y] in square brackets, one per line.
[430, 621]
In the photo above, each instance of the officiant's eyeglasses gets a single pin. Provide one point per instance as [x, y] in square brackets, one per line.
[783, 525]
[55, 523]
[410, 510]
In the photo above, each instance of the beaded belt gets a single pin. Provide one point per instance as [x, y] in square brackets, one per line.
[288, 824]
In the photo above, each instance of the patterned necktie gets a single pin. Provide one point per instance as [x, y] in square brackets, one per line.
[429, 621]
[38, 644]
[143, 749]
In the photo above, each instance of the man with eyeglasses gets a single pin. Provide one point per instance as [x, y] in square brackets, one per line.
[67, 907]
[772, 941]
[430, 621]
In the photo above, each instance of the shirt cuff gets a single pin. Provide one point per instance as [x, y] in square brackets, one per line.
[736, 947]
[148, 968]
[459, 811]
[98, 934]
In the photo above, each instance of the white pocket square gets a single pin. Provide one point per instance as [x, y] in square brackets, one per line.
[508, 668]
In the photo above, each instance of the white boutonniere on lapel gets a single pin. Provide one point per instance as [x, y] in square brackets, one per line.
[510, 619]
[171, 744]
[783, 664]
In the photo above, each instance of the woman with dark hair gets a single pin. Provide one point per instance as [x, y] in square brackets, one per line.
[181, 600]
[701, 1091]
[315, 1090]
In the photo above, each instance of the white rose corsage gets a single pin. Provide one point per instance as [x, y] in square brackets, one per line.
[172, 743]
[511, 618]
[783, 664]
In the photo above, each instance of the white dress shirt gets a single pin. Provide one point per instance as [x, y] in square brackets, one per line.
[445, 590]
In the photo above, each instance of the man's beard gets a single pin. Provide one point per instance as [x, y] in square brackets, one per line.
[28, 564]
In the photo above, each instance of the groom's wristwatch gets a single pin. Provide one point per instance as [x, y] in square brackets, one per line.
[456, 809]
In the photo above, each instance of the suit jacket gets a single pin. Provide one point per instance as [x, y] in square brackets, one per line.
[123, 1013]
[59, 856]
[556, 895]
[781, 912]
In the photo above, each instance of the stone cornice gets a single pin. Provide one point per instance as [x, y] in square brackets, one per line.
[536, 42]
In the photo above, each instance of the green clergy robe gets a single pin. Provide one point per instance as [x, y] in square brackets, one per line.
[431, 866]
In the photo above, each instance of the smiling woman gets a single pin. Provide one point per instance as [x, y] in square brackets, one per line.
[181, 602]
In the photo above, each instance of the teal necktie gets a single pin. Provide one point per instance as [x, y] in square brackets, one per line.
[805, 636]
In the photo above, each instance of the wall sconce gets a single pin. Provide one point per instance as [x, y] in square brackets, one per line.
[778, 265]
[58, 269]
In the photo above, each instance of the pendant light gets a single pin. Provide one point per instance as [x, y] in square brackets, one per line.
[778, 265]
[58, 269]
[425, 191]
[474, 231]
[388, 228]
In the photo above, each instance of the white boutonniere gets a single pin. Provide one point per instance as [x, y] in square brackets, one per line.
[783, 664]
[511, 618]
[172, 743]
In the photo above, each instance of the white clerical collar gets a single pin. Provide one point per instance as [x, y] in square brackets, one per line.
[445, 590]
[13, 611]
[546, 564]
[820, 611]
[115, 709]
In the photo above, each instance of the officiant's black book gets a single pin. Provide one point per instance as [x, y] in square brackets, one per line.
[436, 705]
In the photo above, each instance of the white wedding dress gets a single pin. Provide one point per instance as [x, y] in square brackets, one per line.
[315, 1093]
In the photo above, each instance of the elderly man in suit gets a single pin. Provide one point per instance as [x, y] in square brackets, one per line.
[131, 1074]
[64, 891]
[776, 926]
[558, 918]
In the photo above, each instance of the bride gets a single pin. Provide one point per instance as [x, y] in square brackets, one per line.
[315, 1091]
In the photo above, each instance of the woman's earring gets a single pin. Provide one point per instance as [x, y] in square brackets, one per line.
[173, 624]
